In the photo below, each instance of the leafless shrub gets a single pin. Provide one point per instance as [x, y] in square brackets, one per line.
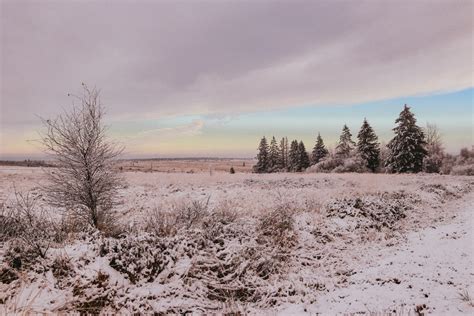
[183, 215]
[278, 225]
[160, 223]
[189, 214]
[29, 224]
[83, 182]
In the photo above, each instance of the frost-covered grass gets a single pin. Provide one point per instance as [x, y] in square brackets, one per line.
[257, 244]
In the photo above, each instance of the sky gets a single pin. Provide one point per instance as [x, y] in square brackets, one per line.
[210, 78]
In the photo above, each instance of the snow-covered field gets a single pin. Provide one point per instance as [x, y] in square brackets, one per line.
[284, 244]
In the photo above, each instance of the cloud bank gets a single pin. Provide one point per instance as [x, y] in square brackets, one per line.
[153, 59]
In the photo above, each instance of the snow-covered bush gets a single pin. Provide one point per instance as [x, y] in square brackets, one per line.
[140, 257]
[340, 165]
[29, 226]
[184, 215]
[464, 170]
[327, 164]
[93, 294]
[278, 226]
[461, 164]
[191, 214]
[62, 269]
[352, 164]
[371, 211]
[160, 223]
[432, 163]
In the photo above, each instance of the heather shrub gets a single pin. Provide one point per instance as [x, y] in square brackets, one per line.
[277, 227]
[140, 257]
[371, 211]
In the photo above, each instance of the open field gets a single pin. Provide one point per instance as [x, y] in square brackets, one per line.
[187, 165]
[260, 244]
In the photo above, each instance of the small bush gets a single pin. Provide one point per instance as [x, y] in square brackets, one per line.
[140, 258]
[232, 170]
[185, 215]
[28, 224]
[62, 267]
[161, 223]
[466, 170]
[326, 165]
[353, 164]
[278, 225]
[371, 211]
[190, 214]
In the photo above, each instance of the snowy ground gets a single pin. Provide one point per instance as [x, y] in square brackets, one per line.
[349, 252]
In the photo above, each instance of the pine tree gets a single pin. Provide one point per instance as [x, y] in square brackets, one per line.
[319, 150]
[368, 146]
[303, 158]
[293, 157]
[407, 148]
[273, 156]
[262, 157]
[284, 153]
[346, 144]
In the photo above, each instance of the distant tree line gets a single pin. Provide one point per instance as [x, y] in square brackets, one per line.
[411, 150]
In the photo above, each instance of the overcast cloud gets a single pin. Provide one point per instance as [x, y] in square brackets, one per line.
[171, 58]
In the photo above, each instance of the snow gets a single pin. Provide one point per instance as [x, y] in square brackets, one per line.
[344, 260]
[432, 268]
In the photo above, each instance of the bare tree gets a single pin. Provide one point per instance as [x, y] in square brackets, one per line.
[84, 181]
[434, 147]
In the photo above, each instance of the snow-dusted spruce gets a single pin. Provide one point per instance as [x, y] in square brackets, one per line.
[407, 148]
[83, 181]
[346, 144]
[319, 150]
[293, 157]
[368, 146]
[284, 153]
[303, 161]
[262, 157]
[274, 159]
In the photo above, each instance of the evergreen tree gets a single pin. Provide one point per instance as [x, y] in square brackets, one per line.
[368, 146]
[273, 156]
[293, 157]
[407, 148]
[284, 153]
[262, 157]
[319, 150]
[346, 144]
[303, 158]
